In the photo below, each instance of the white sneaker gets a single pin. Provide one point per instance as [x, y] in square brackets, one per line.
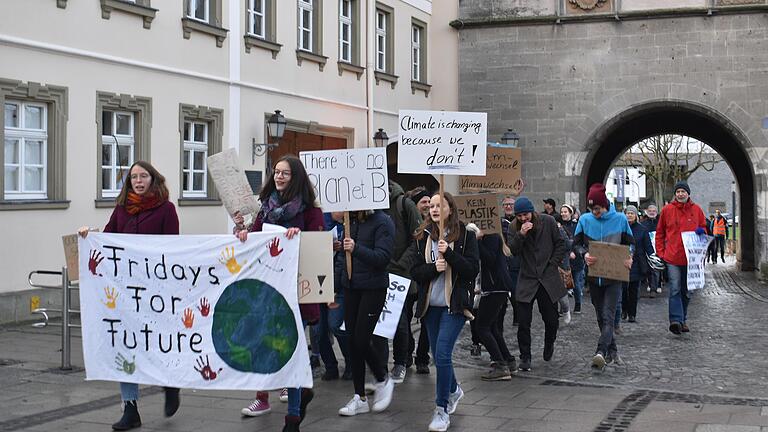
[567, 317]
[658, 290]
[284, 395]
[354, 407]
[440, 421]
[256, 408]
[648, 289]
[598, 361]
[453, 400]
[383, 395]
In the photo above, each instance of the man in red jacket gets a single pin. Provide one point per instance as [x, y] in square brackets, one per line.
[679, 216]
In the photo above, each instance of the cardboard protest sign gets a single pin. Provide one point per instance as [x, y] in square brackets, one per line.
[480, 209]
[349, 180]
[206, 312]
[502, 172]
[442, 142]
[232, 184]
[316, 267]
[393, 306]
[696, 252]
[70, 256]
[610, 261]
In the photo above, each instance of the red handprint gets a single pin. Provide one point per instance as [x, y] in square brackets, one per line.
[204, 368]
[205, 307]
[94, 261]
[274, 247]
[188, 318]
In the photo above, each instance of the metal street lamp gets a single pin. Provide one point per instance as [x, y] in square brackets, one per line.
[275, 130]
[510, 138]
[380, 138]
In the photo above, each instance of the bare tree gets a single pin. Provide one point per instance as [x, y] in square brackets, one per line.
[667, 159]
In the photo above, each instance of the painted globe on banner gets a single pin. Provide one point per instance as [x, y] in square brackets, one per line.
[254, 329]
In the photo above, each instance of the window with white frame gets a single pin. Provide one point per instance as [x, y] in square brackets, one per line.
[381, 40]
[345, 30]
[306, 25]
[117, 150]
[194, 170]
[416, 53]
[257, 25]
[26, 148]
[199, 10]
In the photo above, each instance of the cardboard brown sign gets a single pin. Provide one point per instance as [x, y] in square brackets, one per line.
[480, 209]
[71, 256]
[610, 261]
[316, 267]
[502, 173]
[232, 184]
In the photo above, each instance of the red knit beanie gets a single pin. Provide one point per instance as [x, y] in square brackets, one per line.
[596, 196]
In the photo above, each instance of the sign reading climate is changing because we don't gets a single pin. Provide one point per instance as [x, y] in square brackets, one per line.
[206, 312]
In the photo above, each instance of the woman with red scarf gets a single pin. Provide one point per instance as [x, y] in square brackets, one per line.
[142, 207]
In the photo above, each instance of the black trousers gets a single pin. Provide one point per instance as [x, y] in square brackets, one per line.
[361, 313]
[719, 243]
[490, 323]
[422, 350]
[629, 296]
[549, 315]
[402, 344]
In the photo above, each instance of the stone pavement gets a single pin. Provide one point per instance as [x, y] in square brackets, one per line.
[711, 380]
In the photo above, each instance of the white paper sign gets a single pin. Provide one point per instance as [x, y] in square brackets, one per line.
[442, 142]
[696, 251]
[207, 312]
[393, 306]
[349, 180]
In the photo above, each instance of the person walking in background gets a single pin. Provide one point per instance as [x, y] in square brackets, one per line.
[679, 216]
[576, 259]
[650, 222]
[142, 207]
[513, 261]
[549, 209]
[712, 248]
[720, 231]
[421, 197]
[640, 267]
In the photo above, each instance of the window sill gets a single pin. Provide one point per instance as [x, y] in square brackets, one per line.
[418, 85]
[349, 67]
[253, 41]
[105, 203]
[302, 55]
[33, 205]
[383, 76]
[146, 13]
[189, 25]
[198, 202]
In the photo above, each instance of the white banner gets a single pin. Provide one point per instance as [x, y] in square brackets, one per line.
[206, 312]
[442, 142]
[696, 251]
[393, 306]
[349, 180]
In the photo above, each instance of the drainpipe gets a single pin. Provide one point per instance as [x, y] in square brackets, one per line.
[370, 22]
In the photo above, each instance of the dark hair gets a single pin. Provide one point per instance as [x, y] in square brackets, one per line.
[452, 224]
[298, 186]
[157, 188]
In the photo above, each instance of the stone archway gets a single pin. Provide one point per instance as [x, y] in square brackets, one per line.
[611, 139]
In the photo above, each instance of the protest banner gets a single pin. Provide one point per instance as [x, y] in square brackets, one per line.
[393, 306]
[207, 312]
[316, 267]
[442, 142]
[610, 261]
[232, 184]
[480, 209]
[502, 173]
[696, 252]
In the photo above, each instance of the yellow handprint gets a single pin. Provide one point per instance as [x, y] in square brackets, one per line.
[111, 297]
[228, 259]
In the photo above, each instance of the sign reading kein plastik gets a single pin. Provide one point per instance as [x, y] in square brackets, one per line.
[442, 142]
[349, 180]
[207, 312]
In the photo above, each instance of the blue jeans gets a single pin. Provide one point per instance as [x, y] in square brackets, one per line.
[443, 329]
[578, 285]
[330, 322]
[129, 391]
[678, 293]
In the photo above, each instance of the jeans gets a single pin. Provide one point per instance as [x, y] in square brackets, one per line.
[605, 300]
[402, 344]
[443, 329]
[361, 313]
[548, 311]
[630, 293]
[129, 391]
[654, 279]
[330, 323]
[490, 315]
[678, 293]
[578, 285]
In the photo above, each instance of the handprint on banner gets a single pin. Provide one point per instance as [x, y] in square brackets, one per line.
[205, 307]
[123, 365]
[188, 318]
[274, 247]
[204, 368]
[111, 297]
[94, 261]
[228, 259]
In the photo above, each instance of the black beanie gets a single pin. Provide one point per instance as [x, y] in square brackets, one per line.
[682, 184]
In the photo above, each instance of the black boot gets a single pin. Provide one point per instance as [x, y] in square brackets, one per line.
[291, 424]
[171, 401]
[130, 419]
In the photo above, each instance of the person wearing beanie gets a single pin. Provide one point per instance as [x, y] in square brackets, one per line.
[603, 224]
[536, 239]
[679, 216]
[420, 196]
[630, 292]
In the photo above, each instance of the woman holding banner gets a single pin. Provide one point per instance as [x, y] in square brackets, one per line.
[371, 243]
[288, 200]
[142, 207]
[445, 267]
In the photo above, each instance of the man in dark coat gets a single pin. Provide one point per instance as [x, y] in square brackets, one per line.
[536, 239]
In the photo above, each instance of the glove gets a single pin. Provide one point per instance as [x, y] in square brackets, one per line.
[700, 231]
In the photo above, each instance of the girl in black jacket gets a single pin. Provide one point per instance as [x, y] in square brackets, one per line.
[445, 268]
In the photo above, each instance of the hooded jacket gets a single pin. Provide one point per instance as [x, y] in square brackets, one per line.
[643, 248]
[541, 251]
[493, 265]
[373, 250]
[611, 227]
[406, 221]
[676, 218]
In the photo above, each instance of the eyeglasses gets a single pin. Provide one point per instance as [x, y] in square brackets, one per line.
[283, 174]
[508, 204]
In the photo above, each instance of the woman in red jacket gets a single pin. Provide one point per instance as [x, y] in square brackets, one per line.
[142, 208]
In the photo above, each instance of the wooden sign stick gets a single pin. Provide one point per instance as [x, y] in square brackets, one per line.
[346, 236]
[442, 216]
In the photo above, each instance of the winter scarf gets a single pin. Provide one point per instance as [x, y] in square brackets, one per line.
[276, 213]
[135, 203]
